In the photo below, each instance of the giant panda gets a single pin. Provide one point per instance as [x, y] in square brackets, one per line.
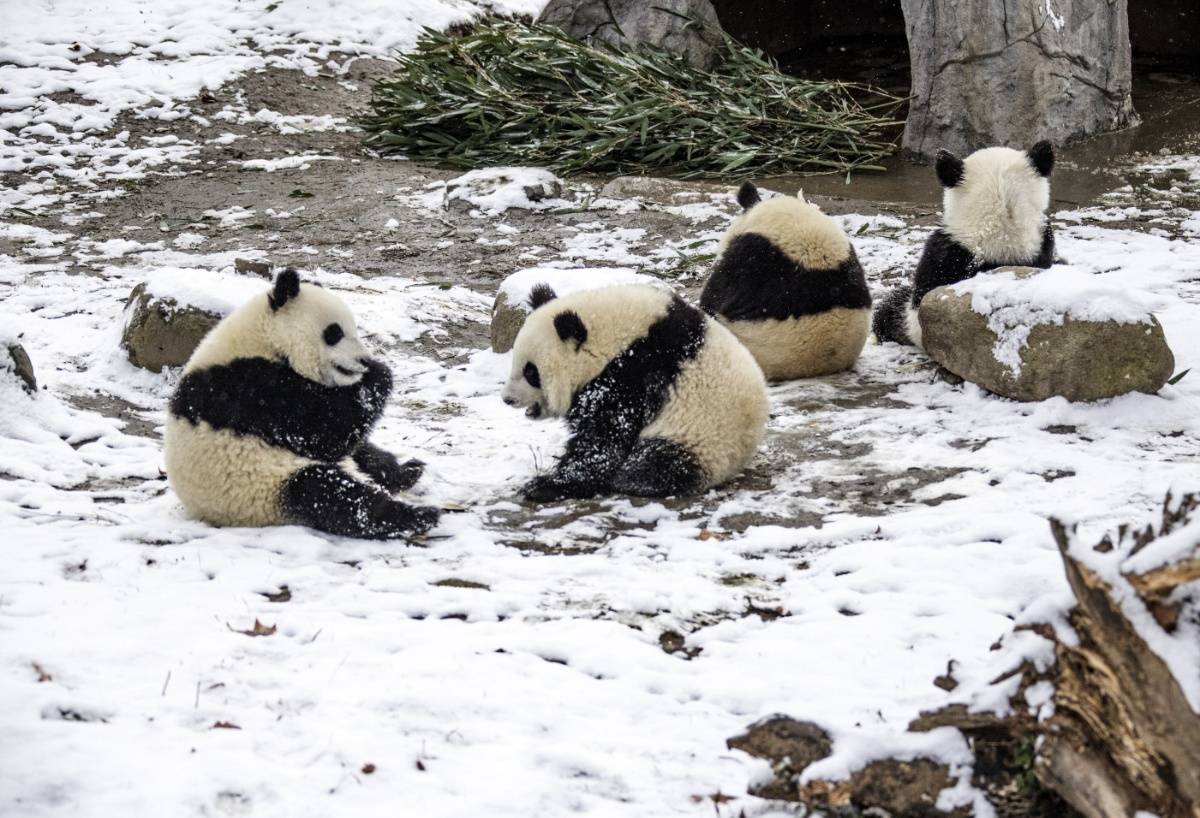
[269, 423]
[993, 215]
[788, 284]
[659, 398]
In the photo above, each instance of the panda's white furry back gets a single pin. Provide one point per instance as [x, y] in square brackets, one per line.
[789, 285]
[994, 206]
[660, 399]
[269, 422]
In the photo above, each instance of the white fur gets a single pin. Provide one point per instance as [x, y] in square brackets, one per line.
[224, 478]
[294, 331]
[798, 228]
[913, 326]
[717, 407]
[998, 210]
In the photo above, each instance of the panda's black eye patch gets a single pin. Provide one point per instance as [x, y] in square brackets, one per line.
[532, 376]
[333, 334]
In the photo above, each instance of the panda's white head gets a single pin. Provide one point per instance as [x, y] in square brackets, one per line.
[795, 226]
[308, 327]
[567, 342]
[994, 202]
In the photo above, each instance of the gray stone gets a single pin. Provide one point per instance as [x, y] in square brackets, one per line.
[1078, 360]
[491, 189]
[250, 266]
[665, 24]
[19, 361]
[162, 332]
[663, 191]
[507, 320]
[1015, 71]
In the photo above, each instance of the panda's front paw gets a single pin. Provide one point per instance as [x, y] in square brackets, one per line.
[407, 474]
[418, 519]
[546, 488]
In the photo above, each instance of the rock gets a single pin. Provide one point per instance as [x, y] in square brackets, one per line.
[688, 28]
[494, 190]
[1011, 73]
[789, 745]
[18, 361]
[250, 266]
[1032, 334]
[512, 299]
[664, 191]
[159, 331]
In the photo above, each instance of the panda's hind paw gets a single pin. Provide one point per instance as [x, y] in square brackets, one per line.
[546, 488]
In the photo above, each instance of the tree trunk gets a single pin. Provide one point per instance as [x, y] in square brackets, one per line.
[1015, 71]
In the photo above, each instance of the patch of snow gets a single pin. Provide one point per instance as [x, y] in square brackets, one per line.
[564, 281]
[286, 162]
[494, 190]
[1016, 304]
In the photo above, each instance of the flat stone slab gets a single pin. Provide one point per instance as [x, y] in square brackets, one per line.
[1030, 335]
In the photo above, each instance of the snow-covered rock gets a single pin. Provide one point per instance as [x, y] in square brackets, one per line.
[494, 190]
[14, 362]
[512, 299]
[1035, 334]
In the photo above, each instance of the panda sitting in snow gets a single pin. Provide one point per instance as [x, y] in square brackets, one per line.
[660, 399]
[993, 215]
[269, 423]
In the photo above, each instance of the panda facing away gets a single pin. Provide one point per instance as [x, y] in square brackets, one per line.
[659, 398]
[269, 424]
[788, 284]
[993, 214]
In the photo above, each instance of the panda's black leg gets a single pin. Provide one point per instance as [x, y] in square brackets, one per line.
[890, 320]
[386, 469]
[324, 497]
[658, 467]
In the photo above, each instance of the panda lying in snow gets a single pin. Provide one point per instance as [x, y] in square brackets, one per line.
[269, 423]
[788, 284]
[660, 399]
[993, 215]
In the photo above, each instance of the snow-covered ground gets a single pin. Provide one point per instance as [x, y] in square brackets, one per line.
[513, 665]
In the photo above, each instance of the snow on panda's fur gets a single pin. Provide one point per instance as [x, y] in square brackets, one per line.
[788, 284]
[269, 424]
[660, 399]
[993, 215]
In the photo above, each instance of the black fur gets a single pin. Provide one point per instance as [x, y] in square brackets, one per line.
[287, 287]
[270, 401]
[324, 497]
[658, 467]
[608, 413]
[1041, 156]
[888, 323]
[570, 327]
[385, 468]
[333, 335]
[755, 281]
[540, 294]
[949, 168]
[747, 195]
[944, 261]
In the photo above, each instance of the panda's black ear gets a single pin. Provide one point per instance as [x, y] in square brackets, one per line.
[949, 168]
[540, 294]
[748, 195]
[570, 328]
[1041, 156]
[287, 287]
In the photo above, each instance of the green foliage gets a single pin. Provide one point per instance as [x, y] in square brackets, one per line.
[512, 93]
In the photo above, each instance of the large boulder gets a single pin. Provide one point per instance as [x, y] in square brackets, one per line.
[1015, 71]
[162, 331]
[1033, 334]
[686, 27]
[512, 299]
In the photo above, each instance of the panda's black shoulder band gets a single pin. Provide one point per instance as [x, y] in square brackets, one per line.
[268, 400]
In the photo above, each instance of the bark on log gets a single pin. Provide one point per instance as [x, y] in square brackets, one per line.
[1124, 737]
[1015, 71]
